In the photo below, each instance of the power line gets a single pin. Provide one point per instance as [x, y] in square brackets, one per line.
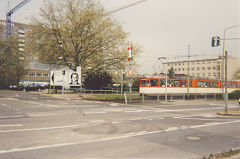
[124, 7]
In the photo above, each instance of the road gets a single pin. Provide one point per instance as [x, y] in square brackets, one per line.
[35, 126]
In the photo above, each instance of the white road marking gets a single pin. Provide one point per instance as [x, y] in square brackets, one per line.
[39, 115]
[14, 125]
[184, 110]
[94, 112]
[185, 116]
[97, 121]
[172, 129]
[5, 105]
[9, 117]
[38, 129]
[110, 138]
[50, 105]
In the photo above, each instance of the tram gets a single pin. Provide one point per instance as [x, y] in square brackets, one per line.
[180, 86]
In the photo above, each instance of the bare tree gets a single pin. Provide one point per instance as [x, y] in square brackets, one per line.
[79, 33]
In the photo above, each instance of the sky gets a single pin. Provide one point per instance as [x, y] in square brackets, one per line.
[164, 28]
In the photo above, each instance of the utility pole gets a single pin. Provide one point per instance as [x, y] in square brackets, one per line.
[226, 93]
[188, 82]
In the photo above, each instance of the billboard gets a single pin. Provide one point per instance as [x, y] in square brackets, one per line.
[66, 78]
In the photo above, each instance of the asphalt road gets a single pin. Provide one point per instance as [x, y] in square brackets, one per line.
[34, 126]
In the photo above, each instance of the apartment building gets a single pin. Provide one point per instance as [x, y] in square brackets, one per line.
[209, 68]
[36, 72]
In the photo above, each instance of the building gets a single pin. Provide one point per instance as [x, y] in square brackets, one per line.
[36, 73]
[209, 68]
[18, 30]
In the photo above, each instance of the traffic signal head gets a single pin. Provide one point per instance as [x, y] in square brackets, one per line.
[215, 41]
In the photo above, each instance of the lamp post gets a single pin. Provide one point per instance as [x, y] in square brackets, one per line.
[224, 54]
[166, 82]
[223, 51]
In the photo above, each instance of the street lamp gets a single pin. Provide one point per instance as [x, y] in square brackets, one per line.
[164, 58]
[223, 51]
[224, 61]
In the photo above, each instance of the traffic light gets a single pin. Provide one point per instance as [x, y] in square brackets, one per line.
[215, 41]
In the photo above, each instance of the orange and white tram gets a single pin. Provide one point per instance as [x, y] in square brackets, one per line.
[179, 86]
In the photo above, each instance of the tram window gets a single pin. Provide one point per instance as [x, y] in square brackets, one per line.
[215, 84]
[144, 83]
[190, 84]
[205, 84]
[229, 85]
[162, 83]
[177, 83]
[210, 84]
[170, 83]
[154, 82]
[234, 85]
[202, 84]
[184, 83]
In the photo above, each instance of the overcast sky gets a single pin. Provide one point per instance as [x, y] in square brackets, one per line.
[165, 27]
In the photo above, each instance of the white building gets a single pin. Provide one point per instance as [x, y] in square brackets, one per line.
[210, 68]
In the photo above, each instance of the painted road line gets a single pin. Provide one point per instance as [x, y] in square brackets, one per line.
[186, 116]
[172, 129]
[13, 125]
[103, 139]
[12, 117]
[39, 115]
[5, 105]
[50, 105]
[39, 129]
[94, 112]
[184, 110]
[97, 121]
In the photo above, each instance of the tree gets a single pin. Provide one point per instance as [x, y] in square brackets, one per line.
[136, 83]
[11, 62]
[98, 80]
[171, 73]
[80, 33]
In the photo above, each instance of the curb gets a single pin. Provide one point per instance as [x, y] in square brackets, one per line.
[227, 114]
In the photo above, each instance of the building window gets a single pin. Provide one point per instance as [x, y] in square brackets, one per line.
[21, 35]
[198, 62]
[179, 69]
[175, 69]
[203, 68]
[21, 31]
[203, 62]
[203, 74]
[45, 75]
[214, 74]
[198, 68]
[209, 62]
[192, 68]
[183, 69]
[31, 74]
[209, 74]
[175, 64]
[193, 63]
[214, 68]
[38, 74]
[209, 68]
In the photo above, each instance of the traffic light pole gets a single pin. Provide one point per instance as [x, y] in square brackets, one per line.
[226, 93]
